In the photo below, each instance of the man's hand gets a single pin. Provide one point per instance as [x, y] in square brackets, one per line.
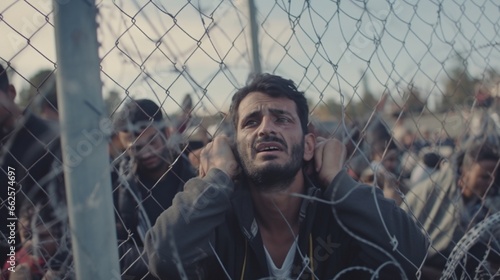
[329, 158]
[218, 154]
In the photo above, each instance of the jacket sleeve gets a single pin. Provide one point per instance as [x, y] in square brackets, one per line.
[127, 209]
[382, 228]
[182, 234]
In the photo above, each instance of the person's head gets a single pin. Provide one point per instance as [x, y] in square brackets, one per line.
[408, 139]
[270, 117]
[8, 109]
[141, 130]
[387, 153]
[480, 172]
[382, 146]
[272, 86]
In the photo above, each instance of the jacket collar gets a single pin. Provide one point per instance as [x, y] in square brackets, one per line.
[244, 211]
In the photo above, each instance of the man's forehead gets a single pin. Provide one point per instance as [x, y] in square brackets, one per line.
[258, 102]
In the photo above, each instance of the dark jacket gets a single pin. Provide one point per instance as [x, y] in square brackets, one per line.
[141, 198]
[31, 151]
[211, 228]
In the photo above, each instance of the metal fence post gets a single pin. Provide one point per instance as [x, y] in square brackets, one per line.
[254, 37]
[85, 131]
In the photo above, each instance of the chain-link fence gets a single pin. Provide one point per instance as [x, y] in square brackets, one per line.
[410, 87]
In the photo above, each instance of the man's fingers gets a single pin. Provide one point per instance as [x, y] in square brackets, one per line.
[329, 158]
[204, 160]
[319, 153]
[320, 139]
[218, 154]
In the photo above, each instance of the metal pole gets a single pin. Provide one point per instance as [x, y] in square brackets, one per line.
[254, 36]
[85, 131]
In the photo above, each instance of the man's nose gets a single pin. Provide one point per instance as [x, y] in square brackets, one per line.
[141, 151]
[267, 126]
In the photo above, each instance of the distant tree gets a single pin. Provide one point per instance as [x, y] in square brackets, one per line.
[358, 110]
[368, 98]
[363, 108]
[459, 86]
[328, 109]
[36, 82]
[413, 99]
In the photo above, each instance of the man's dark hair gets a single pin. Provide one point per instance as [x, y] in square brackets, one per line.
[377, 131]
[136, 112]
[378, 138]
[274, 86]
[4, 79]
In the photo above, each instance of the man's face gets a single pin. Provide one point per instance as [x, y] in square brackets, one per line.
[390, 161]
[270, 141]
[148, 148]
[477, 178]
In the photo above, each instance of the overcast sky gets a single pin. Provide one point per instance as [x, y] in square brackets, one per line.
[165, 49]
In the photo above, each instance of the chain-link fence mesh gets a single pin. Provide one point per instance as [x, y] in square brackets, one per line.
[411, 88]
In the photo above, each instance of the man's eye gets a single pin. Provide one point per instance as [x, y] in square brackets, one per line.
[250, 123]
[282, 120]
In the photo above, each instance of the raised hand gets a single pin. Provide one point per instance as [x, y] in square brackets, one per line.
[218, 154]
[329, 158]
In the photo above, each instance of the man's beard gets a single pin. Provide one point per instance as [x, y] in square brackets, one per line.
[273, 177]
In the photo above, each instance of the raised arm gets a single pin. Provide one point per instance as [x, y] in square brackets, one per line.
[383, 229]
[371, 217]
[181, 235]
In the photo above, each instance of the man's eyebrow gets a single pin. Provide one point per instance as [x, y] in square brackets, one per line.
[280, 112]
[147, 139]
[252, 114]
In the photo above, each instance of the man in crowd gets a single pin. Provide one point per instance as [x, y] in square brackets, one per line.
[247, 216]
[454, 199]
[29, 148]
[150, 176]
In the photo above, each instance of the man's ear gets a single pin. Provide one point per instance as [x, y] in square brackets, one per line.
[309, 146]
[11, 92]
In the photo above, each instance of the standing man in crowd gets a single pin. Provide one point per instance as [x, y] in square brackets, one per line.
[154, 171]
[29, 147]
[246, 215]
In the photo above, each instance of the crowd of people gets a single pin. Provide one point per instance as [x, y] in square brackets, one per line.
[269, 197]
